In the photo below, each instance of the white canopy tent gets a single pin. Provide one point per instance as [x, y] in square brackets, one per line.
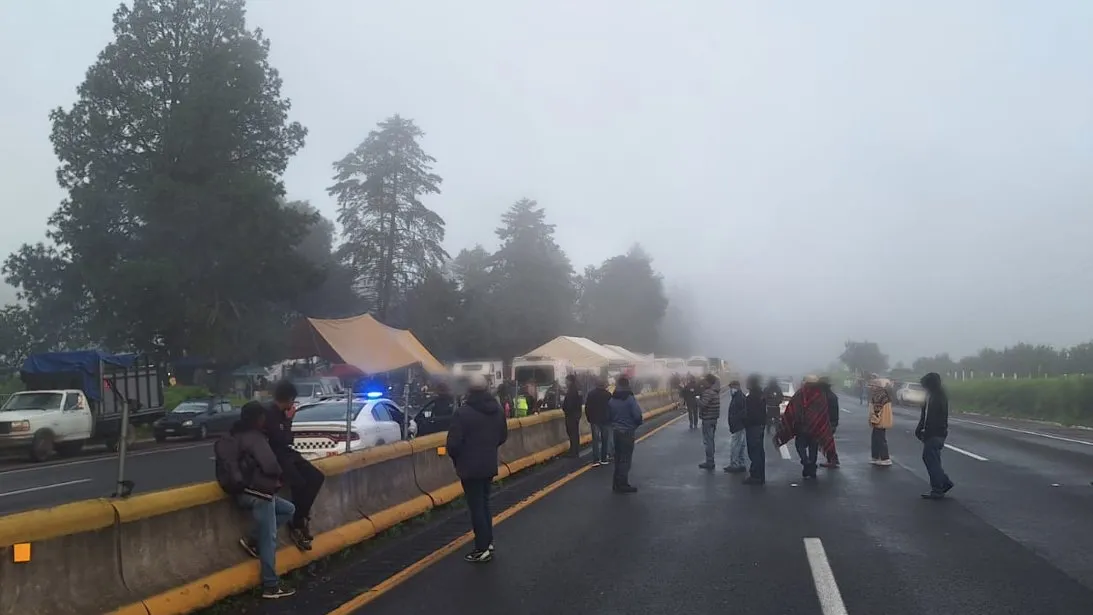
[582, 352]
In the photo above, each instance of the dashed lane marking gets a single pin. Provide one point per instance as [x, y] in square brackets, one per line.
[827, 590]
[964, 452]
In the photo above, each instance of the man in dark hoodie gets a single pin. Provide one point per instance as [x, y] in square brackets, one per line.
[689, 393]
[571, 406]
[478, 429]
[625, 419]
[833, 417]
[932, 429]
[738, 459]
[262, 479]
[599, 418]
[304, 480]
[709, 412]
[755, 425]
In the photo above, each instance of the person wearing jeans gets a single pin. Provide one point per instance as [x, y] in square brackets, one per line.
[625, 419]
[880, 420]
[738, 459]
[269, 513]
[599, 419]
[709, 412]
[932, 429]
[755, 426]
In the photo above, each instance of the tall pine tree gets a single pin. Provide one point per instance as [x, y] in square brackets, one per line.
[392, 240]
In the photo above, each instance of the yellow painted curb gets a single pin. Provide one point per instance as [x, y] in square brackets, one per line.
[72, 518]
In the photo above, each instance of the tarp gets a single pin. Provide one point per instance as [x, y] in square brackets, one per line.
[83, 364]
[634, 357]
[582, 352]
[364, 343]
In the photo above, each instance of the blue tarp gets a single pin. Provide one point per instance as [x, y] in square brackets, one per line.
[83, 362]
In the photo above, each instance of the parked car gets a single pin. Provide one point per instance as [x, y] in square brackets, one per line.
[911, 394]
[319, 429]
[196, 419]
[787, 392]
[434, 417]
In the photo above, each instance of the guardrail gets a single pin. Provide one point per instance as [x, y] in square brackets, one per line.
[176, 551]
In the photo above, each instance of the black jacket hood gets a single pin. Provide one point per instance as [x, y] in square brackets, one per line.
[483, 402]
[931, 382]
[622, 393]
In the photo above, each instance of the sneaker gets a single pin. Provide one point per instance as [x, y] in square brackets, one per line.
[734, 469]
[948, 487]
[626, 489]
[706, 466]
[299, 538]
[874, 461]
[478, 557]
[934, 495]
[249, 546]
[596, 463]
[306, 530]
[884, 462]
[490, 548]
[280, 591]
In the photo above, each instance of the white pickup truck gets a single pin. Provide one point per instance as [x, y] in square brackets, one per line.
[40, 422]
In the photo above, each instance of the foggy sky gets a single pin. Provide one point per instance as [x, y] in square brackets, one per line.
[914, 173]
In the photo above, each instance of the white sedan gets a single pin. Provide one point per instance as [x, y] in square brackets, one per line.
[319, 429]
[911, 394]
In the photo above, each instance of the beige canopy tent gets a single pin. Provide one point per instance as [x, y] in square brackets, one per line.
[634, 357]
[582, 352]
[364, 343]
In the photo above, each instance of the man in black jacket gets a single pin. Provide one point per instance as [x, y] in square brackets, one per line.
[478, 429]
[571, 405]
[689, 393]
[737, 411]
[599, 418]
[932, 429]
[755, 421]
[262, 477]
[833, 417]
[304, 480]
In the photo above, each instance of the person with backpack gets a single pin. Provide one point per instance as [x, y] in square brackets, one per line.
[247, 470]
[304, 479]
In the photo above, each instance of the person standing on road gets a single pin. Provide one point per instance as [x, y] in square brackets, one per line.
[599, 419]
[709, 412]
[774, 398]
[247, 468]
[304, 480]
[689, 393]
[880, 420]
[830, 454]
[625, 419]
[806, 423]
[737, 412]
[933, 428]
[755, 425]
[478, 429]
[571, 406]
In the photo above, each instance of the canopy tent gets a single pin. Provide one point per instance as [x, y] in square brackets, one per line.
[364, 343]
[634, 357]
[582, 352]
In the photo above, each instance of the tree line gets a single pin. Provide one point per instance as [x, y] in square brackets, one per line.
[1022, 360]
[175, 238]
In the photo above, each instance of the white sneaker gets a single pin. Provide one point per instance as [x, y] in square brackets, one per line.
[874, 461]
[884, 462]
[596, 463]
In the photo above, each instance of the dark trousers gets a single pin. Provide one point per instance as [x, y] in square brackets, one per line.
[304, 482]
[624, 456]
[807, 449]
[878, 445]
[931, 456]
[477, 493]
[573, 430]
[756, 453]
[692, 412]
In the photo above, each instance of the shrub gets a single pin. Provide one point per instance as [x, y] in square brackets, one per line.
[1064, 400]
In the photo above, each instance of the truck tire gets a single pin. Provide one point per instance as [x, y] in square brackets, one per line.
[41, 448]
[69, 448]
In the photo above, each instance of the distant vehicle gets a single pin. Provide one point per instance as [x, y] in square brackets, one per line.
[911, 394]
[788, 391]
[74, 398]
[543, 371]
[434, 417]
[676, 366]
[319, 429]
[492, 369]
[698, 366]
[196, 419]
[313, 390]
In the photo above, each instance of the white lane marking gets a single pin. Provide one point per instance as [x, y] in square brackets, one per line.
[44, 487]
[846, 411]
[1025, 431]
[827, 590]
[111, 457]
[964, 452]
[784, 451]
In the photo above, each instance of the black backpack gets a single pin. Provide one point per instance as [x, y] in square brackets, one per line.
[229, 466]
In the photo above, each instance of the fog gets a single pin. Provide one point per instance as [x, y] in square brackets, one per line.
[912, 173]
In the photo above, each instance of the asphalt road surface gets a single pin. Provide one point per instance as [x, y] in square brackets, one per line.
[1014, 536]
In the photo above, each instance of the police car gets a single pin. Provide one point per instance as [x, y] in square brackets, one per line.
[319, 429]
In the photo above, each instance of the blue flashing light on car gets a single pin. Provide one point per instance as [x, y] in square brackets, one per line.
[373, 394]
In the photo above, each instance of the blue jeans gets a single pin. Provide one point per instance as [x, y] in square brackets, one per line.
[709, 430]
[758, 455]
[931, 456]
[738, 458]
[269, 515]
[603, 442]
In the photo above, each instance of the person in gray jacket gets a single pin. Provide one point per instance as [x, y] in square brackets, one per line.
[261, 475]
[709, 411]
[625, 420]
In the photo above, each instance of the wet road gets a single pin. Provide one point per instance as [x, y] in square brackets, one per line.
[1013, 538]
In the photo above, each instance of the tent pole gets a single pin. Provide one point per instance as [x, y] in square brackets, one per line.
[349, 418]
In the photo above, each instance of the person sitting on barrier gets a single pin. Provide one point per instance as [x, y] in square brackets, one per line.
[304, 480]
[247, 469]
[477, 431]
[625, 419]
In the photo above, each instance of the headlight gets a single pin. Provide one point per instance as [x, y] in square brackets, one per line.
[187, 423]
[20, 426]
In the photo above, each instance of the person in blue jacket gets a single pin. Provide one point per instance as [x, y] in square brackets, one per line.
[625, 420]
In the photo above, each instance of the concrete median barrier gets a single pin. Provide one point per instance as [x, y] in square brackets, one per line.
[176, 551]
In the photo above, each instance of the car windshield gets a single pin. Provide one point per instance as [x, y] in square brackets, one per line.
[190, 407]
[328, 411]
[787, 387]
[539, 374]
[33, 401]
[915, 387]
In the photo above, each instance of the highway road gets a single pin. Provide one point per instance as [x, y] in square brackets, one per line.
[1014, 537]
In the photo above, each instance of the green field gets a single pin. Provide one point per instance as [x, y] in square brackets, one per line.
[1062, 400]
